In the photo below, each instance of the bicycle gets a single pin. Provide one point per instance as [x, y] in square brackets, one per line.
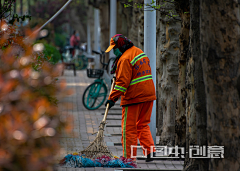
[80, 60]
[96, 93]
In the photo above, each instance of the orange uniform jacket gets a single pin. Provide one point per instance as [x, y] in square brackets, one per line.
[133, 78]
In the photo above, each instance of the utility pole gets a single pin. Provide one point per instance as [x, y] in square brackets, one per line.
[113, 30]
[150, 51]
[113, 21]
[96, 37]
[89, 41]
[89, 51]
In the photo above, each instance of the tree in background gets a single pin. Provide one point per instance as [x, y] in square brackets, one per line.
[8, 12]
[207, 103]
[41, 11]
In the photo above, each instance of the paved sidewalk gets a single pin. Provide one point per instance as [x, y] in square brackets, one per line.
[86, 122]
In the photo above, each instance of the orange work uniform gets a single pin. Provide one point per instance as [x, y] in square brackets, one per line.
[134, 83]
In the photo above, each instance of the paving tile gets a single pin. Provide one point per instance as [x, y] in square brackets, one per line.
[152, 166]
[90, 169]
[86, 122]
[167, 162]
[62, 169]
[109, 169]
[142, 166]
[161, 167]
[59, 168]
[80, 169]
[178, 166]
[170, 166]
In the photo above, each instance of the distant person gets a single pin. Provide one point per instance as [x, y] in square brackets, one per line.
[78, 38]
[74, 41]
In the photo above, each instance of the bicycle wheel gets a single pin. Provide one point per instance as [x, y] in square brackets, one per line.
[81, 62]
[94, 95]
[85, 59]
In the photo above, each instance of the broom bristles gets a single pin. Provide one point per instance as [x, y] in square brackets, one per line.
[98, 147]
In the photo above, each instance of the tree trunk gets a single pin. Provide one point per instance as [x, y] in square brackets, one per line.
[199, 96]
[104, 17]
[29, 7]
[196, 103]
[104, 24]
[134, 24]
[130, 22]
[21, 7]
[15, 7]
[91, 20]
[78, 25]
[220, 51]
[124, 16]
[167, 72]
[180, 119]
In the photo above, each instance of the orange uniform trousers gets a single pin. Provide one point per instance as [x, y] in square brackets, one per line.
[135, 120]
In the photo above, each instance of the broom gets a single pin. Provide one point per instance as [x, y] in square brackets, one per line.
[98, 147]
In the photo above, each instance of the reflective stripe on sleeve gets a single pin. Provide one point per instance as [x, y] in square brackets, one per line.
[140, 56]
[120, 88]
[141, 79]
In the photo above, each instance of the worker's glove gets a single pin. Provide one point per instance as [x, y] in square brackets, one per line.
[111, 103]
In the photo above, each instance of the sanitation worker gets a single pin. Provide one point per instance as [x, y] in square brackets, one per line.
[135, 86]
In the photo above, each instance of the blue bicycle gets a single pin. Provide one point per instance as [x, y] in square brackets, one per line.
[96, 93]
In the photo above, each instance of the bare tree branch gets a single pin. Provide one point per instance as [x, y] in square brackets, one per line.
[147, 7]
[10, 5]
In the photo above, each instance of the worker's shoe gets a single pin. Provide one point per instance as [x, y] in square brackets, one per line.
[149, 159]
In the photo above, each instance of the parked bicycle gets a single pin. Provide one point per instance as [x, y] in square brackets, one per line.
[80, 60]
[96, 93]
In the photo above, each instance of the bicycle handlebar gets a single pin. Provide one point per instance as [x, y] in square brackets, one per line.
[96, 52]
[102, 59]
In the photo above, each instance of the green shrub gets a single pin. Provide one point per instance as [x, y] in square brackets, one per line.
[51, 52]
[60, 40]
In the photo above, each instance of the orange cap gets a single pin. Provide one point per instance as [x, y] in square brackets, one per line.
[112, 44]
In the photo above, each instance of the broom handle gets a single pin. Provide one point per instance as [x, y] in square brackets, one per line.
[107, 108]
